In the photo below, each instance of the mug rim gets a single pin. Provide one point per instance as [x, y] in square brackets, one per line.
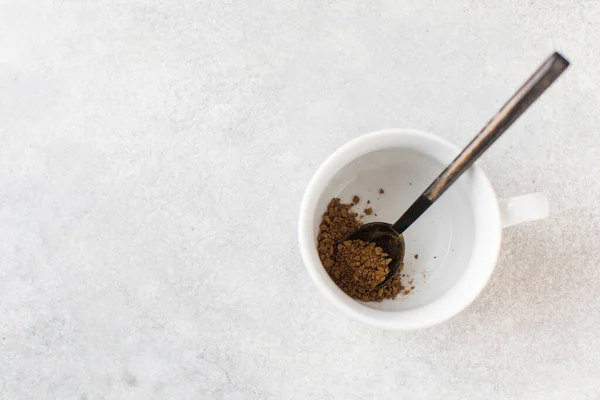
[456, 298]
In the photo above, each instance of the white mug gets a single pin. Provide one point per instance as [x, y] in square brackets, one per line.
[451, 250]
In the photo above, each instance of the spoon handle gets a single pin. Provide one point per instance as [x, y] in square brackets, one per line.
[546, 74]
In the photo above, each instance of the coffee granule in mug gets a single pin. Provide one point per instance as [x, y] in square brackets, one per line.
[355, 266]
[359, 267]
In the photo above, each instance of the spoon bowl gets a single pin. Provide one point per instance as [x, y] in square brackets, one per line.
[384, 236]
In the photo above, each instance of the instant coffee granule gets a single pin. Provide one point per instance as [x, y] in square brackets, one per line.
[357, 267]
[337, 221]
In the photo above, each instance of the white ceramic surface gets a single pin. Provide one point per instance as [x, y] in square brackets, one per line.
[456, 242]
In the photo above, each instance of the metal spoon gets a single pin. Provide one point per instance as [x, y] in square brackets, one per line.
[389, 237]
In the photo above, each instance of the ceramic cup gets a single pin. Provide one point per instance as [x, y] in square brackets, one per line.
[451, 250]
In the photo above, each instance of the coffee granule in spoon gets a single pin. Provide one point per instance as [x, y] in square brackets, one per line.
[355, 266]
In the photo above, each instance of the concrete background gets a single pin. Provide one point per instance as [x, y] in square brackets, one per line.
[153, 155]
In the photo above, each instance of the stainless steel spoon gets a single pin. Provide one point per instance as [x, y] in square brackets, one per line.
[389, 237]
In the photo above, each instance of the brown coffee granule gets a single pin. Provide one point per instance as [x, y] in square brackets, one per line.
[389, 291]
[355, 199]
[381, 191]
[337, 221]
[368, 201]
[409, 290]
[416, 256]
[357, 267]
[368, 211]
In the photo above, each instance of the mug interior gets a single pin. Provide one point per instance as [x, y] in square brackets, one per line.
[438, 244]
[441, 246]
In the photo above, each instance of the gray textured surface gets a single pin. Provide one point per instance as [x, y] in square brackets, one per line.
[152, 160]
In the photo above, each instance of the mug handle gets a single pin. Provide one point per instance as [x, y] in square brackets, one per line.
[524, 208]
